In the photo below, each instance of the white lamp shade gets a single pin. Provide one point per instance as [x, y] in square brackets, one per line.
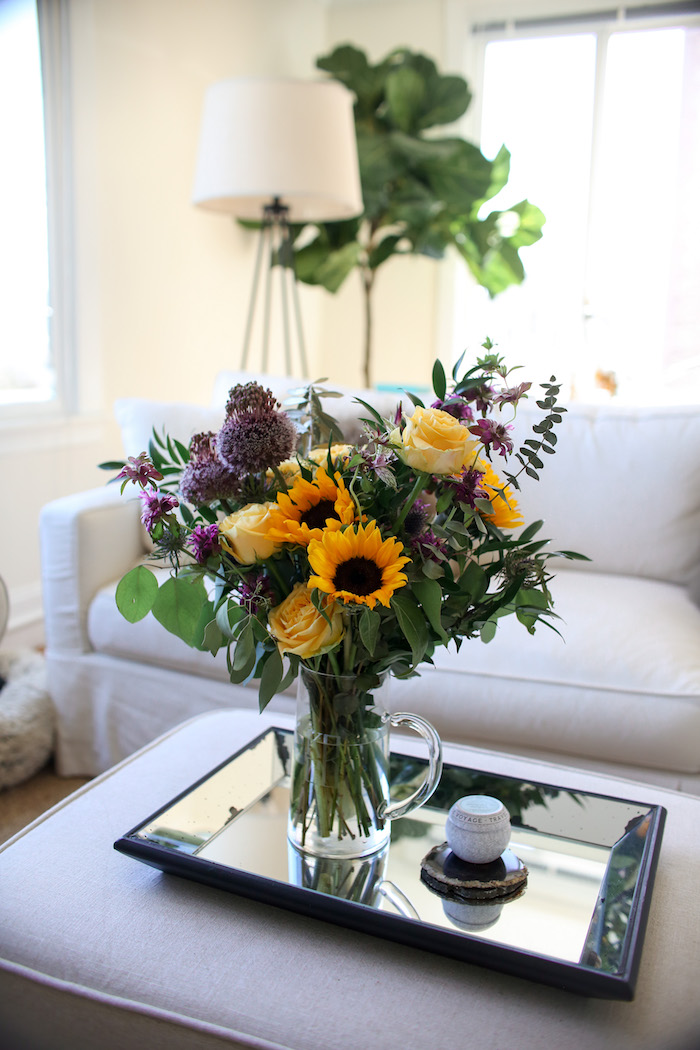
[263, 138]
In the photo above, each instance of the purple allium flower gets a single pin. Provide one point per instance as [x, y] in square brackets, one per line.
[455, 406]
[156, 506]
[512, 394]
[469, 487]
[256, 435]
[140, 470]
[203, 541]
[491, 433]
[206, 478]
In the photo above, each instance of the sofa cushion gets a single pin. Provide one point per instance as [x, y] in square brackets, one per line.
[138, 416]
[623, 487]
[623, 684]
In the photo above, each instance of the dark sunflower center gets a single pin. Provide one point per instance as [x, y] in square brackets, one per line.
[358, 576]
[315, 517]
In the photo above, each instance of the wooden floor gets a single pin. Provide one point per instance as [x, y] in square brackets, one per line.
[21, 804]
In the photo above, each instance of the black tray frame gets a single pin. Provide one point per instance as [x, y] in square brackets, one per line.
[569, 976]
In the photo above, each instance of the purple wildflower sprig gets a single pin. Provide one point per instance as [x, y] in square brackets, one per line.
[493, 435]
[157, 508]
[139, 470]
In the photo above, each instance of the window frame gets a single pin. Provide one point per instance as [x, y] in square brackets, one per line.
[470, 25]
[54, 45]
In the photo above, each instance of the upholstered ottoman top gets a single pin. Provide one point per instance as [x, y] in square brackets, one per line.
[99, 950]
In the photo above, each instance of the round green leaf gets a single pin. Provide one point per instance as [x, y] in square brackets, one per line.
[136, 593]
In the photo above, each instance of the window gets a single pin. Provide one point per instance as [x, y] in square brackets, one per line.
[33, 313]
[602, 118]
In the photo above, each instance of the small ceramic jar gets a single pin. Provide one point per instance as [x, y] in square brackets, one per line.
[478, 829]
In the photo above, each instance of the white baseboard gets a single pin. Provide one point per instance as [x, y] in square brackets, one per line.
[26, 607]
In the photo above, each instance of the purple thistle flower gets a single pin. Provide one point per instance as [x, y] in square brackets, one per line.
[206, 478]
[469, 487]
[140, 470]
[417, 518]
[156, 506]
[493, 434]
[511, 395]
[256, 435]
[204, 541]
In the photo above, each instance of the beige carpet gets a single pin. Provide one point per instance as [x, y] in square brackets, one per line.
[21, 804]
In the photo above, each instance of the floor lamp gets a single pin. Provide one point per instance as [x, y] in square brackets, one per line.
[278, 151]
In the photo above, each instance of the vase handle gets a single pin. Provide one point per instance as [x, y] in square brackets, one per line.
[434, 771]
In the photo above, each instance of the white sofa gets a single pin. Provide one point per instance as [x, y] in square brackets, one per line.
[620, 693]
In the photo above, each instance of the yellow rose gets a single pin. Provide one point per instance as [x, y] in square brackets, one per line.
[339, 453]
[288, 468]
[245, 533]
[298, 627]
[435, 442]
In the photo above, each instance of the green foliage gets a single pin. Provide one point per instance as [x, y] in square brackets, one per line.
[136, 593]
[422, 193]
[468, 564]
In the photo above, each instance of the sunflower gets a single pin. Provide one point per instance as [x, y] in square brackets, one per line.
[505, 513]
[356, 565]
[309, 507]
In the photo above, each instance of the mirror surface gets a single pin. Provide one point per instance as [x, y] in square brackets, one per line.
[584, 853]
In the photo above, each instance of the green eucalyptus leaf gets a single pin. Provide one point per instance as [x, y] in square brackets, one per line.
[178, 606]
[270, 678]
[488, 631]
[244, 653]
[136, 593]
[213, 638]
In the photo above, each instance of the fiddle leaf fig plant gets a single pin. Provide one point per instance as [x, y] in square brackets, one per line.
[422, 193]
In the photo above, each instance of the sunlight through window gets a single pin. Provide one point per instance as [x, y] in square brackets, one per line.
[604, 130]
[26, 372]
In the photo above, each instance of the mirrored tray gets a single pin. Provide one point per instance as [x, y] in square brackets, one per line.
[579, 923]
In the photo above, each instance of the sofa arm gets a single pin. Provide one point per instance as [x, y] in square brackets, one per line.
[87, 540]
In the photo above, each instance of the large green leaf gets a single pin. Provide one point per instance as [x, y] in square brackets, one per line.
[178, 607]
[316, 264]
[136, 593]
[412, 623]
[429, 594]
[405, 95]
[270, 678]
[461, 179]
[447, 99]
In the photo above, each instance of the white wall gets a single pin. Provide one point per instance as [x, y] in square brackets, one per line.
[162, 288]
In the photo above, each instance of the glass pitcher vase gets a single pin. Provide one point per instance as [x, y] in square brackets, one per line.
[340, 803]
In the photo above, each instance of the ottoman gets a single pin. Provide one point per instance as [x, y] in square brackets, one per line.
[98, 950]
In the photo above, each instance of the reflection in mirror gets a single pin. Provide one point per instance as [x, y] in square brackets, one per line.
[583, 854]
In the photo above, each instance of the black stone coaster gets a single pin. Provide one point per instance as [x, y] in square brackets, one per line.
[444, 873]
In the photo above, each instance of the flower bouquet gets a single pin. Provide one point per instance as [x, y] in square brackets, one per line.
[303, 555]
